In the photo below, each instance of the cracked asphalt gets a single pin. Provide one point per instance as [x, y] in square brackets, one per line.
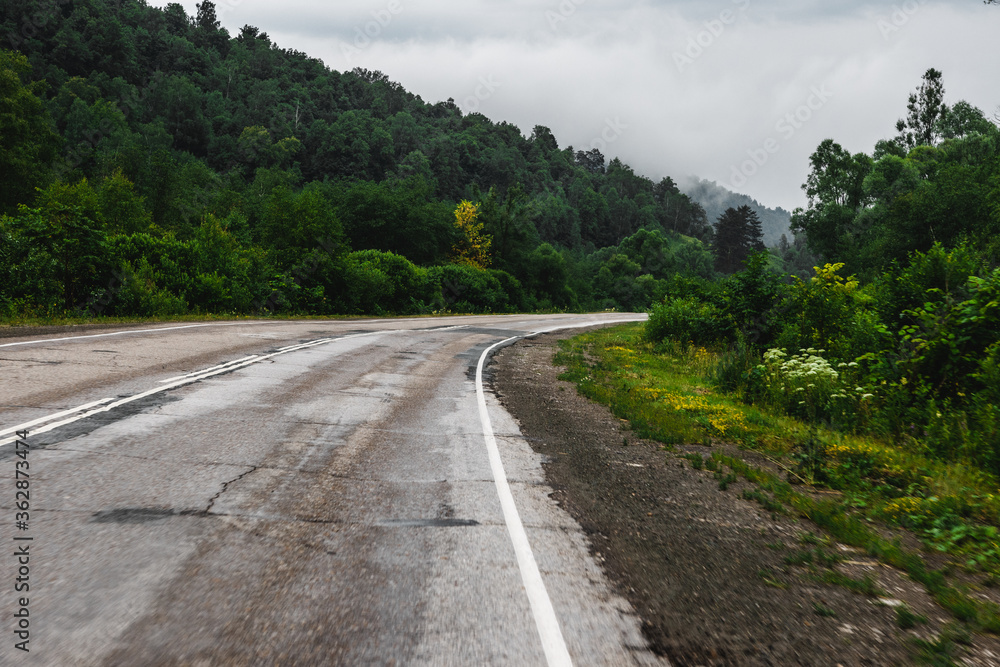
[332, 505]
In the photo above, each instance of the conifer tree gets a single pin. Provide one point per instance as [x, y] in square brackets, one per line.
[738, 234]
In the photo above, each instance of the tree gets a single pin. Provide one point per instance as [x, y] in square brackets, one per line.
[296, 223]
[964, 119]
[208, 31]
[737, 234]
[835, 193]
[473, 246]
[71, 246]
[122, 209]
[206, 18]
[178, 102]
[505, 219]
[27, 143]
[543, 137]
[176, 19]
[592, 160]
[548, 277]
[925, 110]
[400, 217]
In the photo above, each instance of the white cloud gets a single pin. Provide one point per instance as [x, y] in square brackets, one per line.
[598, 61]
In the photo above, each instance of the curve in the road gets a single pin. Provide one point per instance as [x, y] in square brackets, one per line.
[545, 618]
[556, 653]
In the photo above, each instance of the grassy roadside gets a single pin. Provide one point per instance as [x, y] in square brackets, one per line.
[14, 326]
[69, 320]
[879, 497]
[9, 324]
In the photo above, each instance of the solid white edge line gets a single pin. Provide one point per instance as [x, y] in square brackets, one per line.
[553, 644]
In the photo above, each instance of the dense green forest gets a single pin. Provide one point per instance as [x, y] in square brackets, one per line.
[154, 164]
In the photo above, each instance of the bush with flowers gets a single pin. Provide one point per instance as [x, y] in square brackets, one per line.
[807, 385]
[912, 356]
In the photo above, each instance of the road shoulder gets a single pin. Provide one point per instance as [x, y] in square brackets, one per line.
[706, 570]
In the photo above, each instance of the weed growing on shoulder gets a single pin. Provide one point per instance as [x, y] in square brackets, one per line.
[943, 651]
[726, 480]
[803, 557]
[822, 610]
[811, 557]
[811, 459]
[765, 500]
[768, 577]
[697, 462]
[866, 585]
[810, 537]
[907, 619]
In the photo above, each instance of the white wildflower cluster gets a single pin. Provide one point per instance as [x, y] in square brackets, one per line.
[774, 355]
[807, 365]
[808, 369]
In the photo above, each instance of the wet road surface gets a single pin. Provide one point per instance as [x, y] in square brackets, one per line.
[314, 492]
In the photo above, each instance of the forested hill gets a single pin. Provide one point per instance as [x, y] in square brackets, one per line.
[211, 171]
[715, 199]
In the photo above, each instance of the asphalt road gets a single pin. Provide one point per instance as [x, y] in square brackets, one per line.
[288, 493]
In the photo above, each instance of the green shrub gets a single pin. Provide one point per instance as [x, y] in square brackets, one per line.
[158, 264]
[905, 288]
[752, 296]
[467, 289]
[823, 313]
[409, 290]
[739, 369]
[369, 288]
[688, 320]
[950, 337]
[517, 297]
[140, 292]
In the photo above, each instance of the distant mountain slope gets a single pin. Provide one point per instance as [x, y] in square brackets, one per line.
[715, 199]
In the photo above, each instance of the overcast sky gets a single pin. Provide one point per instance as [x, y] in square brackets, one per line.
[736, 91]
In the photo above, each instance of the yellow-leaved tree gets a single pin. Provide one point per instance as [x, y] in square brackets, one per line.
[473, 248]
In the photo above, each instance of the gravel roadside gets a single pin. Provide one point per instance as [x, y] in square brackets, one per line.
[706, 570]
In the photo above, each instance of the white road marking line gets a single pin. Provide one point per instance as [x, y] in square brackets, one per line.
[228, 363]
[85, 406]
[556, 653]
[127, 331]
[200, 375]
